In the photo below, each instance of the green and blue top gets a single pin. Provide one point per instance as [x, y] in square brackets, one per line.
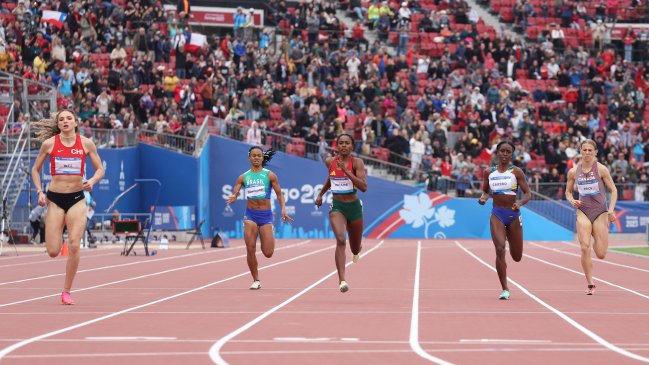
[257, 184]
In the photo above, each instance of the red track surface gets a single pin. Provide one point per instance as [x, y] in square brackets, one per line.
[193, 307]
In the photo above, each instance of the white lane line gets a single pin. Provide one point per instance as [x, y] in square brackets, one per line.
[578, 255]
[52, 260]
[414, 319]
[215, 350]
[502, 341]
[7, 350]
[563, 316]
[138, 277]
[130, 338]
[146, 261]
[581, 274]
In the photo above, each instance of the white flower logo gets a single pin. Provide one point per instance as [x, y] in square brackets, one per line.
[418, 210]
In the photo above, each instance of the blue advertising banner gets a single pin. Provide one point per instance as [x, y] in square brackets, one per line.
[174, 218]
[390, 210]
[300, 180]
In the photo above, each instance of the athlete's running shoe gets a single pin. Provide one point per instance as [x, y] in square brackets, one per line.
[255, 285]
[504, 295]
[355, 258]
[590, 290]
[66, 298]
[343, 286]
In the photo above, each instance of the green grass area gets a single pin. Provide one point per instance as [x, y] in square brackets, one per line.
[643, 250]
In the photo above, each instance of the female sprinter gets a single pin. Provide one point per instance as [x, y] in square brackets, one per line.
[258, 219]
[593, 217]
[502, 184]
[346, 174]
[65, 199]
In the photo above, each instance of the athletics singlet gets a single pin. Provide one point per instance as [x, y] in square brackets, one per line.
[67, 160]
[504, 183]
[256, 184]
[341, 183]
[591, 192]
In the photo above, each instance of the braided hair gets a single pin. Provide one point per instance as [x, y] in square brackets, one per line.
[268, 155]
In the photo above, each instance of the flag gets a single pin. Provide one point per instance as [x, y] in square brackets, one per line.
[54, 17]
[195, 42]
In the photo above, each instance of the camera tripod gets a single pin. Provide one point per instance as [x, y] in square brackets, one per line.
[5, 232]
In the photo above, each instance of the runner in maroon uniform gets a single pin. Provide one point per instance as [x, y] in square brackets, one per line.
[64, 198]
[593, 216]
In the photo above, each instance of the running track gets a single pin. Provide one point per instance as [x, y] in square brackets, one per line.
[411, 302]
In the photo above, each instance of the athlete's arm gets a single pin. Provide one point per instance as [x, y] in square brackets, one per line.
[570, 187]
[522, 182]
[91, 151]
[357, 176]
[608, 181]
[485, 189]
[326, 186]
[235, 192]
[274, 182]
[45, 150]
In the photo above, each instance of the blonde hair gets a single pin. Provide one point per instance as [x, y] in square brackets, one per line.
[49, 127]
[588, 141]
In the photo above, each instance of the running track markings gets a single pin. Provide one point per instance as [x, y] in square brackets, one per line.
[51, 260]
[414, 319]
[215, 350]
[581, 274]
[563, 316]
[106, 267]
[7, 350]
[143, 276]
[576, 255]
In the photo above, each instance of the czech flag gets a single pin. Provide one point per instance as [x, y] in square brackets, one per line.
[54, 17]
[195, 41]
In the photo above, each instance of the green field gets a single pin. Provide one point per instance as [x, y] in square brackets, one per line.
[642, 250]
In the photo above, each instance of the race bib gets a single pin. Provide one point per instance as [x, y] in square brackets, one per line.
[258, 191]
[341, 185]
[588, 187]
[67, 165]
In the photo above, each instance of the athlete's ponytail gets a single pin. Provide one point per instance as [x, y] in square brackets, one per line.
[268, 155]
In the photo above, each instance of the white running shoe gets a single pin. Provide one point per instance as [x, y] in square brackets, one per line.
[343, 286]
[355, 258]
[256, 285]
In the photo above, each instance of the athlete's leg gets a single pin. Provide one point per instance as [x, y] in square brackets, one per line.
[339, 226]
[267, 239]
[76, 222]
[498, 237]
[584, 232]
[515, 239]
[250, 232]
[600, 233]
[355, 230]
[54, 222]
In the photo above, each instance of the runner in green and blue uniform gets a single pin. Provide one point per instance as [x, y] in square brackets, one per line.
[258, 218]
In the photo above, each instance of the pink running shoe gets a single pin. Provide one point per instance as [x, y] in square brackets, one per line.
[590, 290]
[66, 298]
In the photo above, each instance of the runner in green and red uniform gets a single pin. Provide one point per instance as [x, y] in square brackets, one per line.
[346, 175]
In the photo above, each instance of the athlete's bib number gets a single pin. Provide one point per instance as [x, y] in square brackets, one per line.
[67, 165]
[341, 185]
[255, 191]
[589, 187]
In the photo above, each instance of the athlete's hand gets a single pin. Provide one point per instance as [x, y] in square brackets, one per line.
[611, 217]
[231, 199]
[88, 184]
[42, 199]
[516, 206]
[482, 200]
[576, 203]
[318, 201]
[285, 217]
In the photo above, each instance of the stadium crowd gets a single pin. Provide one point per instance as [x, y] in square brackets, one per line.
[437, 90]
